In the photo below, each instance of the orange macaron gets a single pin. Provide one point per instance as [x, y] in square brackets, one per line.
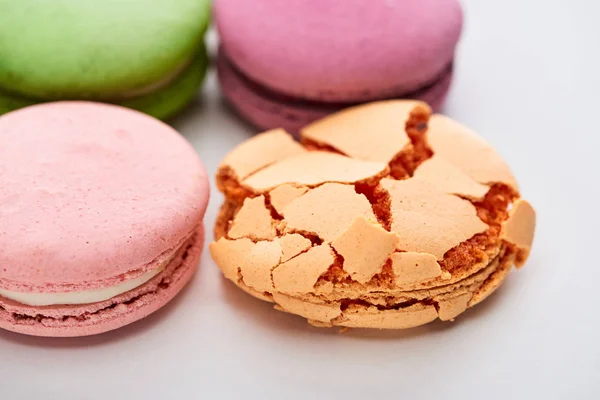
[384, 216]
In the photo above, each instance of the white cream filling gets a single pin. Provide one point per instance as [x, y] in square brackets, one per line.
[83, 297]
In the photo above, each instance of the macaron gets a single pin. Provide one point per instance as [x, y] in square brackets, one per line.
[285, 64]
[102, 210]
[383, 216]
[144, 54]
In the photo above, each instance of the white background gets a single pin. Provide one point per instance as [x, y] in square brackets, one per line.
[527, 78]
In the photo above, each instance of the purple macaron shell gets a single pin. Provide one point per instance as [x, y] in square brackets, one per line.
[265, 109]
[339, 50]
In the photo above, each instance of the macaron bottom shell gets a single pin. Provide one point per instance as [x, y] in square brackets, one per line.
[264, 110]
[122, 310]
[161, 103]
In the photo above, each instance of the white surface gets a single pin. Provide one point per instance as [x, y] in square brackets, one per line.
[527, 79]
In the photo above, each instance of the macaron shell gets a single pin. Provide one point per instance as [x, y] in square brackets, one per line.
[86, 49]
[92, 194]
[116, 313]
[162, 103]
[312, 49]
[169, 100]
[267, 112]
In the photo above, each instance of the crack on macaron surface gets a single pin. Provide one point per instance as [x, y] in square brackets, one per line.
[327, 210]
[455, 215]
[258, 153]
[477, 158]
[430, 220]
[314, 238]
[254, 220]
[380, 202]
[251, 263]
[281, 196]
[300, 274]
[313, 145]
[293, 245]
[450, 179]
[312, 169]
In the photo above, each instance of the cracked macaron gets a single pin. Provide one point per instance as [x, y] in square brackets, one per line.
[102, 210]
[286, 64]
[383, 216]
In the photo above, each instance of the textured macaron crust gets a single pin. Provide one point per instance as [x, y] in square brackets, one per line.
[93, 196]
[108, 51]
[318, 55]
[384, 216]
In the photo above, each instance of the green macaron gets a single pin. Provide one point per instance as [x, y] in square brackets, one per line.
[144, 54]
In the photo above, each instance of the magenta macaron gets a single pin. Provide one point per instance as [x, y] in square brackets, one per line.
[287, 63]
[101, 212]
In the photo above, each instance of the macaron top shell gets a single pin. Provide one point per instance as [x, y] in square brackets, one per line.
[349, 50]
[88, 49]
[92, 194]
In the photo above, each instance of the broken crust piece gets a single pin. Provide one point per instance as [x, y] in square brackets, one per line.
[428, 220]
[450, 179]
[410, 267]
[300, 274]
[365, 247]
[258, 152]
[246, 261]
[283, 195]
[292, 245]
[519, 229]
[467, 151]
[314, 168]
[371, 132]
[327, 211]
[253, 221]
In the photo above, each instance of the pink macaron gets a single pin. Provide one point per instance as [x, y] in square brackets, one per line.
[288, 63]
[101, 217]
